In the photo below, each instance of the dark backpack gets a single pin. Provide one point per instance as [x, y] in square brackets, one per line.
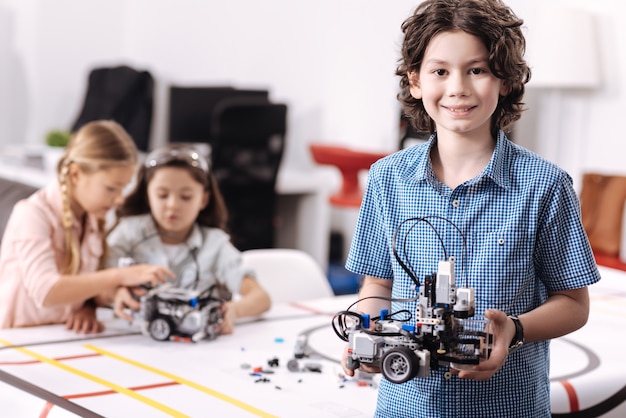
[124, 95]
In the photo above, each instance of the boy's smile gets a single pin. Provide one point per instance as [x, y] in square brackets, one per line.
[456, 86]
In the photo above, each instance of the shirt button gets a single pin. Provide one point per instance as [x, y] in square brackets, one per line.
[501, 241]
[447, 375]
[456, 203]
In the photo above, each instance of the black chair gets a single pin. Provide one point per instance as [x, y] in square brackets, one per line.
[249, 138]
[124, 95]
[191, 107]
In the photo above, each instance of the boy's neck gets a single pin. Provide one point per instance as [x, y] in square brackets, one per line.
[456, 159]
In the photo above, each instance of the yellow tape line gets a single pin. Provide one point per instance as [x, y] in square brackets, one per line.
[186, 382]
[110, 385]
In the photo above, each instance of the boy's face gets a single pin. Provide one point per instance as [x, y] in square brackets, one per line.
[176, 199]
[458, 90]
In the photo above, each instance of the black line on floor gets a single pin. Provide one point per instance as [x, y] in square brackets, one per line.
[47, 396]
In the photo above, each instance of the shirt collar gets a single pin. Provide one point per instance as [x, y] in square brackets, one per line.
[497, 169]
[422, 170]
[194, 240]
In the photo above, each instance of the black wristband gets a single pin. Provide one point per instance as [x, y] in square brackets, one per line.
[518, 338]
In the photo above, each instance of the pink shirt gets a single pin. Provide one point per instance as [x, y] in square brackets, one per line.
[32, 255]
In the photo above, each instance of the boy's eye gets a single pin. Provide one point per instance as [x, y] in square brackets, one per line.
[440, 72]
[476, 71]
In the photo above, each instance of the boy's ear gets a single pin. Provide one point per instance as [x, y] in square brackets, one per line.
[414, 84]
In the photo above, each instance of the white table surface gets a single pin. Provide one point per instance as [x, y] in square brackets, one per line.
[118, 375]
[588, 376]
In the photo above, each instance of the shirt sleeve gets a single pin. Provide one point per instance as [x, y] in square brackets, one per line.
[32, 241]
[369, 251]
[563, 255]
[117, 246]
[229, 268]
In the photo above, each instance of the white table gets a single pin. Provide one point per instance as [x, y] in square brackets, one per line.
[303, 209]
[123, 373]
[587, 372]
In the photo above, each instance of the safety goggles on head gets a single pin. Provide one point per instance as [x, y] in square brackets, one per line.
[187, 155]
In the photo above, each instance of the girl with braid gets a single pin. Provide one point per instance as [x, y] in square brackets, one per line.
[54, 240]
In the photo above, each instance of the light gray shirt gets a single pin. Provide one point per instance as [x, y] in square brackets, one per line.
[210, 255]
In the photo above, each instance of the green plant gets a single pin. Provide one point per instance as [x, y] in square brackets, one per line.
[58, 138]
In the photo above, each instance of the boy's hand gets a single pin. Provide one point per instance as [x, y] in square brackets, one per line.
[364, 367]
[84, 321]
[503, 330]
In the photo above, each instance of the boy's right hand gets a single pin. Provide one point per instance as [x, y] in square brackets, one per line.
[364, 367]
[144, 274]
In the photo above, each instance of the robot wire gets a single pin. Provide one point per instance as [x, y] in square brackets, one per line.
[407, 266]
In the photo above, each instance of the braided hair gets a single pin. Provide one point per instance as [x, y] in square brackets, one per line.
[97, 145]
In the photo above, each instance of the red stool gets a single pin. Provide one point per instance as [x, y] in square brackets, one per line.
[349, 163]
[350, 194]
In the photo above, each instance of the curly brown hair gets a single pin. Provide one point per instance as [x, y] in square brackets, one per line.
[495, 24]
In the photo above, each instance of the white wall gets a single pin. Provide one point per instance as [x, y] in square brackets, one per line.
[331, 61]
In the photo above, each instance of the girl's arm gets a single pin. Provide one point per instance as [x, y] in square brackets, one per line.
[254, 301]
[80, 287]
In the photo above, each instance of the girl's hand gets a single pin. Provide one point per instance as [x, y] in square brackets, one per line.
[124, 299]
[229, 315]
[84, 321]
[144, 274]
[503, 330]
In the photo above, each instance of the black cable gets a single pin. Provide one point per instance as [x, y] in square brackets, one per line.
[339, 319]
[406, 239]
[406, 265]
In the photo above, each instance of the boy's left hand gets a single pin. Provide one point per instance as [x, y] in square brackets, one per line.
[503, 332]
[83, 321]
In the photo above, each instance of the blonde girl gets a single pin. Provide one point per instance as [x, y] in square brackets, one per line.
[54, 240]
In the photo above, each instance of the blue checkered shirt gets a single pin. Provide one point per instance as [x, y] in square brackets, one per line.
[519, 237]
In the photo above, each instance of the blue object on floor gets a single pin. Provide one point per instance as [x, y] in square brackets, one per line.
[343, 281]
